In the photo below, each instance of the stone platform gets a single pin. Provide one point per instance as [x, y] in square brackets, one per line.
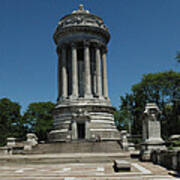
[81, 171]
[64, 158]
[84, 119]
[77, 147]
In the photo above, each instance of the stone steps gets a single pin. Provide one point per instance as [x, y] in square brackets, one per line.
[64, 158]
[78, 147]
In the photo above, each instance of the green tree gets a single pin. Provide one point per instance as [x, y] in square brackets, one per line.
[11, 122]
[121, 120]
[39, 118]
[160, 88]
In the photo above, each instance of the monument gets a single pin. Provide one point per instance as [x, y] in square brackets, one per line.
[151, 131]
[83, 109]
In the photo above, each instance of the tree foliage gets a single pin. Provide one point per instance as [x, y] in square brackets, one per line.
[11, 123]
[160, 88]
[39, 118]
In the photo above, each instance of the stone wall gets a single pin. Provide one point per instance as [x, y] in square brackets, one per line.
[167, 158]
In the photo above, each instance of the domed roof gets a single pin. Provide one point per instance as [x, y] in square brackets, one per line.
[81, 20]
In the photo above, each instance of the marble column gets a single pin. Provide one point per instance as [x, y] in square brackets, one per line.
[98, 73]
[104, 75]
[59, 76]
[74, 72]
[64, 75]
[87, 82]
[74, 130]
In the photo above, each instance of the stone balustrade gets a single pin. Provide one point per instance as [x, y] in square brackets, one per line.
[167, 158]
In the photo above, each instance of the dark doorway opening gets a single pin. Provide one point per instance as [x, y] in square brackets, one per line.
[81, 130]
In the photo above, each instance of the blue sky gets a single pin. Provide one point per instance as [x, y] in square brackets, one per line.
[145, 35]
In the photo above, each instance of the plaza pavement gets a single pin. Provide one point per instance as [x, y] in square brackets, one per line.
[78, 171]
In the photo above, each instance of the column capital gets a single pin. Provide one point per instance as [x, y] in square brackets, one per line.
[86, 43]
[58, 51]
[104, 50]
[96, 45]
[62, 46]
[73, 45]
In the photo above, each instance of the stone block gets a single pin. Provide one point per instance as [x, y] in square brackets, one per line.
[131, 146]
[151, 132]
[124, 140]
[32, 139]
[121, 165]
[5, 150]
[11, 142]
[27, 147]
[175, 137]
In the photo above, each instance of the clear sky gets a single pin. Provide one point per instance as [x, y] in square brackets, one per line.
[145, 35]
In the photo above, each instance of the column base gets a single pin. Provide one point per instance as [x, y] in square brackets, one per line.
[62, 99]
[95, 121]
[88, 96]
[100, 97]
[107, 98]
[73, 97]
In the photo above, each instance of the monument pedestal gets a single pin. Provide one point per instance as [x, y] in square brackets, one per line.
[147, 148]
[151, 132]
[91, 120]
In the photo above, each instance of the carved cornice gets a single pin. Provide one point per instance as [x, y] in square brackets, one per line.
[59, 48]
[84, 43]
[98, 45]
[73, 44]
[60, 33]
[104, 50]
[82, 19]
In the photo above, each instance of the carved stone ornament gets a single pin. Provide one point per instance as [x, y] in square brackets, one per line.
[152, 111]
[81, 20]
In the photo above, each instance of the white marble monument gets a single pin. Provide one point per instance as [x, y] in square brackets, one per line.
[83, 109]
[152, 139]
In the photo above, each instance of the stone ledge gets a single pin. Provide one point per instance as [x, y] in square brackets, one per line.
[122, 165]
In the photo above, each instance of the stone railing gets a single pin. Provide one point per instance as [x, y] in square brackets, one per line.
[15, 146]
[167, 158]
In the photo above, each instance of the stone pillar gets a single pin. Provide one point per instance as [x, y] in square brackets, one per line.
[98, 73]
[74, 72]
[74, 130]
[87, 82]
[87, 131]
[104, 76]
[11, 142]
[59, 77]
[64, 75]
[151, 132]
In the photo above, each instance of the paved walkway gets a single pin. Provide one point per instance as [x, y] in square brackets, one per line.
[61, 155]
[81, 171]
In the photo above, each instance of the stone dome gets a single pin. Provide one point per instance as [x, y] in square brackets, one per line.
[81, 21]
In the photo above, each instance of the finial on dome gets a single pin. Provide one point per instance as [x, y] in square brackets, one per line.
[81, 7]
[81, 10]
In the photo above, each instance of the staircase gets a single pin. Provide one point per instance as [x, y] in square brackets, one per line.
[77, 147]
